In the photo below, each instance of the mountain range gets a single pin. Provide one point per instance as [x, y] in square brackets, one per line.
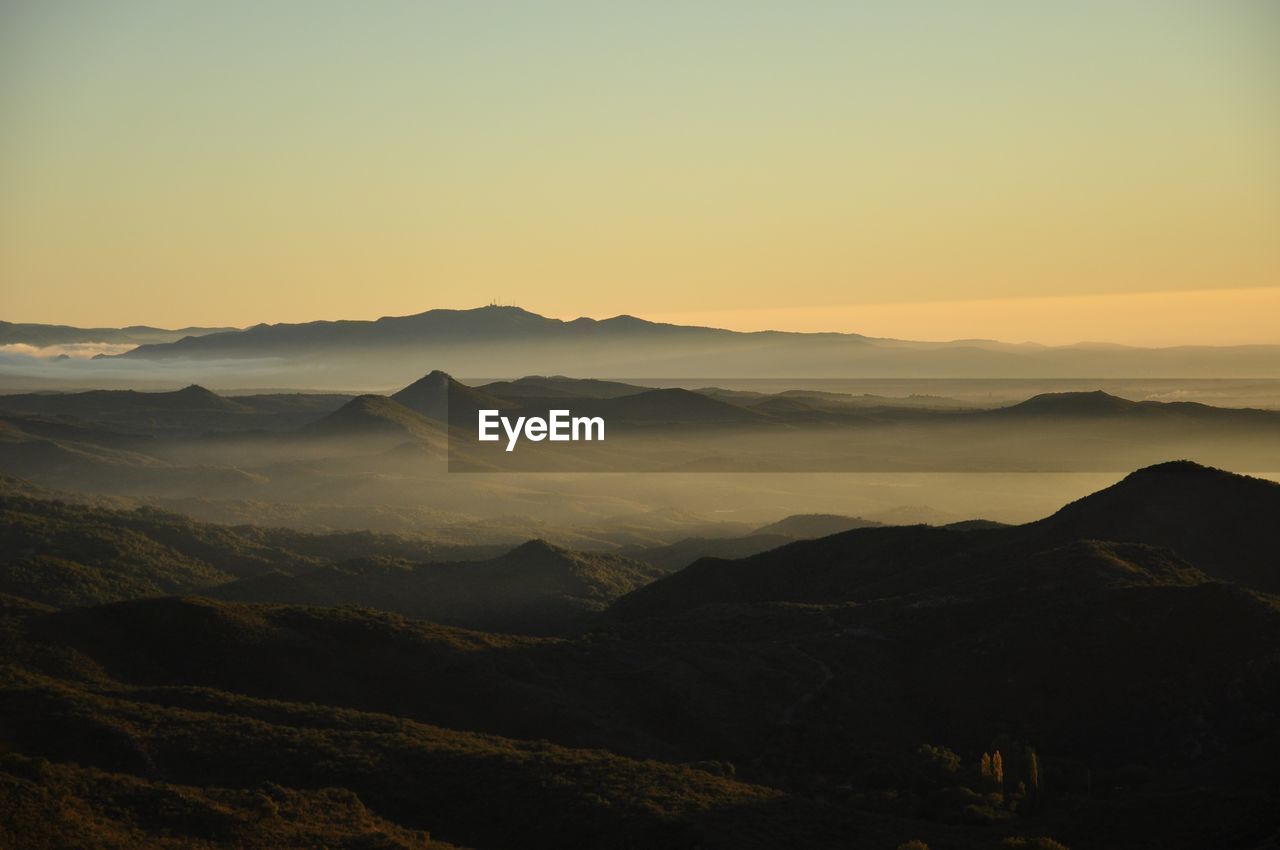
[500, 340]
[1121, 653]
[25, 333]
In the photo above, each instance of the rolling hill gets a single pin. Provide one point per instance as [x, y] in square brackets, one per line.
[375, 416]
[437, 396]
[1220, 522]
[188, 412]
[536, 588]
[61, 553]
[46, 335]
[826, 693]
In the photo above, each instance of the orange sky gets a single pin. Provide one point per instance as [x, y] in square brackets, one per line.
[999, 169]
[1203, 317]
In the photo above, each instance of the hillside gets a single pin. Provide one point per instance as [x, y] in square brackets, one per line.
[191, 411]
[376, 416]
[26, 333]
[64, 554]
[829, 692]
[535, 588]
[558, 386]
[801, 526]
[1224, 523]
[436, 394]
[1102, 405]
[673, 556]
[1220, 522]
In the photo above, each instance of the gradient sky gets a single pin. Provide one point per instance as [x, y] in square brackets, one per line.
[1018, 170]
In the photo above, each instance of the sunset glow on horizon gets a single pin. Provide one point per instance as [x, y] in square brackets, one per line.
[1059, 173]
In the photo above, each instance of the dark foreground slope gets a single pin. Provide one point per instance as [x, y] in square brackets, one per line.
[828, 694]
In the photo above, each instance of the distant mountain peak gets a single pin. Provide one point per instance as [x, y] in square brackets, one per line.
[196, 391]
[536, 546]
[802, 526]
[1182, 480]
[369, 415]
[431, 394]
[1095, 401]
[494, 339]
[1180, 468]
[434, 378]
[1216, 519]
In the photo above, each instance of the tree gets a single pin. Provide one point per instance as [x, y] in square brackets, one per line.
[1033, 770]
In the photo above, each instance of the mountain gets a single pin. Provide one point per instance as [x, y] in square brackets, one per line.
[559, 386]
[375, 416]
[800, 526]
[1102, 405]
[437, 393]
[1096, 403]
[100, 403]
[672, 556]
[1221, 523]
[207, 766]
[639, 405]
[60, 553]
[828, 693]
[457, 326]
[49, 335]
[535, 588]
[66, 805]
[508, 340]
[1226, 524]
[191, 411]
[674, 405]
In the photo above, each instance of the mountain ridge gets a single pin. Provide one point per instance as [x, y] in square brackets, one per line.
[488, 340]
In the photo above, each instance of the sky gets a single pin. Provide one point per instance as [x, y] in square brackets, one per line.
[1101, 171]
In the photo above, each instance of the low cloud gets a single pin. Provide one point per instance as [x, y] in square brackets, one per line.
[73, 350]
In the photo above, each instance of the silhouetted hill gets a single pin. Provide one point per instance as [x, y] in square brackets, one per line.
[1073, 404]
[559, 386]
[490, 323]
[473, 789]
[673, 556]
[191, 411]
[66, 554]
[1224, 523]
[501, 340]
[801, 526]
[432, 395]
[1217, 521]
[47, 335]
[66, 805]
[671, 405]
[787, 406]
[97, 403]
[1101, 405]
[535, 588]
[375, 416]
[825, 694]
